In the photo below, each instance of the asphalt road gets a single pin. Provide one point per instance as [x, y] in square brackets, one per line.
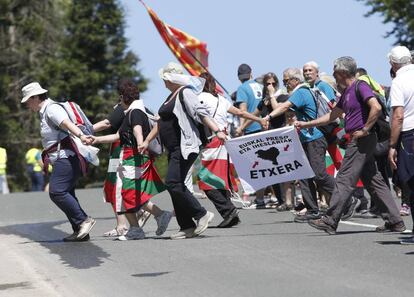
[267, 255]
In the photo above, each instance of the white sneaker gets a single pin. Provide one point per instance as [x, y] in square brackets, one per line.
[202, 223]
[162, 222]
[134, 233]
[86, 227]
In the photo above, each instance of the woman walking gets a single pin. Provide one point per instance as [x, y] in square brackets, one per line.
[137, 181]
[180, 115]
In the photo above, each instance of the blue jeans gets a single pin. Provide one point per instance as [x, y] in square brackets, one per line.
[38, 181]
[62, 189]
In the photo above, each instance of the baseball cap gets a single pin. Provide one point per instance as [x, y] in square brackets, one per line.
[244, 71]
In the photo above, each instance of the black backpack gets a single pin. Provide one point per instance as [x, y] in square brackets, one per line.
[381, 126]
[203, 131]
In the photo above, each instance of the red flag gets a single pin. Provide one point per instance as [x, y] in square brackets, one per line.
[190, 51]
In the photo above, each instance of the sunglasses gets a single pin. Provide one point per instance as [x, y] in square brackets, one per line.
[271, 83]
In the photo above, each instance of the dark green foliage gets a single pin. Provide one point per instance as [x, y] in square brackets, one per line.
[398, 12]
[75, 49]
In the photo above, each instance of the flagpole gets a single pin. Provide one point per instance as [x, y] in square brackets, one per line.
[189, 52]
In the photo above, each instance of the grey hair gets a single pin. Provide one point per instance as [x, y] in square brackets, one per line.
[312, 64]
[294, 73]
[347, 64]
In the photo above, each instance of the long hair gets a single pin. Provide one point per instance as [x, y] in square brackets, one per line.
[267, 77]
[210, 84]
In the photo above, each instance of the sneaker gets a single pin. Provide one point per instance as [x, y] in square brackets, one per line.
[162, 222]
[134, 233]
[284, 207]
[388, 227]
[74, 238]
[306, 217]
[349, 213]
[408, 240]
[405, 210]
[202, 223]
[86, 227]
[321, 225]
[182, 234]
[236, 220]
[227, 220]
[365, 214]
[116, 232]
[142, 216]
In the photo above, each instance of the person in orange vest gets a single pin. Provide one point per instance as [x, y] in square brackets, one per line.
[4, 188]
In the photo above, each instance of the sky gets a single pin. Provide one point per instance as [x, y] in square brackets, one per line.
[268, 35]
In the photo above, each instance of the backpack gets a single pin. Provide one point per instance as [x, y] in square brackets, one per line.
[323, 106]
[203, 131]
[381, 126]
[155, 146]
[77, 116]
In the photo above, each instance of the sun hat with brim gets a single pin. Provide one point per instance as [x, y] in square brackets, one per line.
[399, 54]
[32, 89]
[171, 67]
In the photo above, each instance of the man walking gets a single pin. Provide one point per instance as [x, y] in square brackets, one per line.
[401, 153]
[361, 113]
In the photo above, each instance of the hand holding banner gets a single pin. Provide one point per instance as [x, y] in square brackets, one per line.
[270, 157]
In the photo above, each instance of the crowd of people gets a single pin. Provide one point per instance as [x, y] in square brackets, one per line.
[372, 124]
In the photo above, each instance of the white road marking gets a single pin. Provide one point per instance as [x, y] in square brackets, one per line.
[358, 224]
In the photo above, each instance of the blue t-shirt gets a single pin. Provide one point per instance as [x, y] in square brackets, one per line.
[326, 89]
[305, 108]
[250, 92]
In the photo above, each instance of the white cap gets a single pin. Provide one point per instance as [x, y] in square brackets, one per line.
[171, 67]
[32, 89]
[399, 55]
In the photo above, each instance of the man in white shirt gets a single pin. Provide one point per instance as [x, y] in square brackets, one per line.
[401, 153]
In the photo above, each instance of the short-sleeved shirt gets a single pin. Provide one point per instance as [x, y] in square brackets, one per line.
[51, 116]
[116, 118]
[356, 112]
[133, 118]
[306, 110]
[276, 122]
[402, 94]
[326, 89]
[217, 108]
[250, 92]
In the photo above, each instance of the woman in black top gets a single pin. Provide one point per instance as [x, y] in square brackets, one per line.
[180, 115]
[136, 179]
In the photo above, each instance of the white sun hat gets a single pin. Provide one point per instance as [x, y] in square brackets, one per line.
[171, 67]
[32, 89]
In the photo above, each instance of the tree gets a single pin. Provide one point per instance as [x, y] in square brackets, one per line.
[398, 12]
[29, 31]
[75, 49]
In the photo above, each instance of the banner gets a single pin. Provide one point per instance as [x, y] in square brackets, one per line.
[270, 157]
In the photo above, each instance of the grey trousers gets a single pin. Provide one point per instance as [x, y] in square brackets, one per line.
[315, 151]
[359, 162]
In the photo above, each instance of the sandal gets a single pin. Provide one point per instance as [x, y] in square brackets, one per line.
[116, 232]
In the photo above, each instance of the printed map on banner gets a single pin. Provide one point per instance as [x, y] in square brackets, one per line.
[269, 157]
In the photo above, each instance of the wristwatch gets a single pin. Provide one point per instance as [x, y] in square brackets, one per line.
[80, 134]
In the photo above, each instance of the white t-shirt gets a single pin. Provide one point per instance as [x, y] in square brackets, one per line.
[51, 116]
[402, 94]
[223, 106]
